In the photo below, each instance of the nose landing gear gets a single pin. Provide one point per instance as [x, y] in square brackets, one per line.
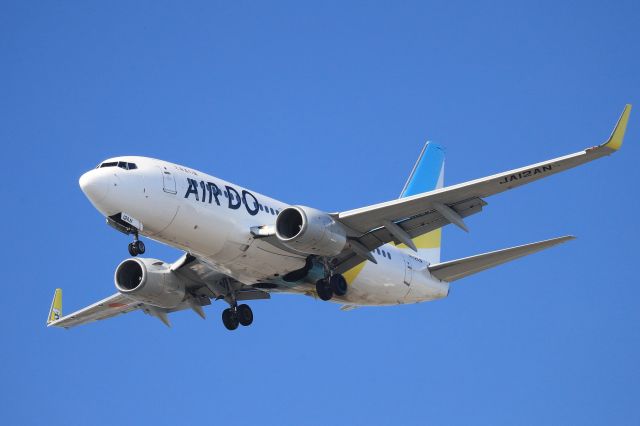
[128, 225]
[136, 247]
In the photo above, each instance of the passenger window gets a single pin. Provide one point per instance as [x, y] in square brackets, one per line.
[272, 212]
[378, 251]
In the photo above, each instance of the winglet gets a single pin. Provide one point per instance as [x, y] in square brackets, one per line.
[615, 140]
[55, 312]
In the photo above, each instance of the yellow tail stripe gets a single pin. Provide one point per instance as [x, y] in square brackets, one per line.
[352, 273]
[426, 241]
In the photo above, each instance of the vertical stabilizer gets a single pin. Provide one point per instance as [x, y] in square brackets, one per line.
[427, 175]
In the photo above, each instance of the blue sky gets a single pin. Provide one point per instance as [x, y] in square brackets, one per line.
[326, 105]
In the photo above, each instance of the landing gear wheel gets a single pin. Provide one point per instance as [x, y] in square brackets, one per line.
[230, 319]
[324, 290]
[132, 250]
[245, 315]
[338, 284]
[136, 248]
[139, 246]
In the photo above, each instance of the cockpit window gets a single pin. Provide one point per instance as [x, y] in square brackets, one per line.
[122, 164]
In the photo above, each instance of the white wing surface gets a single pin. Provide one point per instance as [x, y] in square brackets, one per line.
[444, 200]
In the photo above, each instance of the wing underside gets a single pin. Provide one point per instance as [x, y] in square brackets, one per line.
[106, 308]
[202, 282]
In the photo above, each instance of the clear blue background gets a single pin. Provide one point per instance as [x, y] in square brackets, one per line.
[326, 105]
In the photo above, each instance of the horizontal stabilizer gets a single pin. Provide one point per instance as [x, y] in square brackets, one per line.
[455, 269]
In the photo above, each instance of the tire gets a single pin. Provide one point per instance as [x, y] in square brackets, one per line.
[139, 245]
[338, 285]
[324, 290]
[132, 250]
[230, 319]
[245, 315]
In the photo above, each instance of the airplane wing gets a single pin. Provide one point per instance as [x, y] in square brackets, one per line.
[106, 308]
[402, 219]
[202, 283]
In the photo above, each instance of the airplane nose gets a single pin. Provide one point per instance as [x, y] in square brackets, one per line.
[95, 185]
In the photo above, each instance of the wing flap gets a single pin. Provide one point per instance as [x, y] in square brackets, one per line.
[456, 269]
[414, 226]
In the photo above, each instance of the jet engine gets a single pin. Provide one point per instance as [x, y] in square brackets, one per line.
[149, 281]
[310, 231]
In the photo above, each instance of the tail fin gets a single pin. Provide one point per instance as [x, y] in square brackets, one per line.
[427, 175]
[55, 312]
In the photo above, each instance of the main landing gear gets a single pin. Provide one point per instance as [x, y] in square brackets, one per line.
[137, 246]
[334, 285]
[238, 315]
[235, 314]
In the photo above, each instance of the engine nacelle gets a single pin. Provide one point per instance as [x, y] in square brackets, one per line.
[149, 281]
[310, 231]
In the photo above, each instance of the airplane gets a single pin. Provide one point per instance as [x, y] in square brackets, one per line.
[240, 245]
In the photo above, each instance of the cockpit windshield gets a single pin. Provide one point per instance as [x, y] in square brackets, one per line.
[121, 164]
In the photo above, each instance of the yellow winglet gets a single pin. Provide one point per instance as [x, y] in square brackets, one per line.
[615, 140]
[55, 313]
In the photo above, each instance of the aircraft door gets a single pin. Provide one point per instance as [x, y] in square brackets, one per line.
[413, 266]
[408, 271]
[168, 182]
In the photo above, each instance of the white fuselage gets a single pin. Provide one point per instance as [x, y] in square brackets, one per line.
[212, 219]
